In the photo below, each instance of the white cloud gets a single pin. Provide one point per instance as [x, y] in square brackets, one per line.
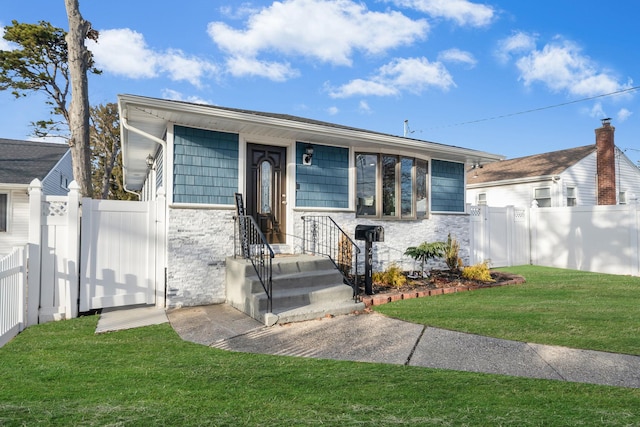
[4, 44]
[623, 115]
[174, 95]
[517, 43]
[325, 31]
[363, 107]
[463, 12]
[459, 56]
[400, 75]
[245, 66]
[597, 111]
[560, 66]
[333, 110]
[125, 52]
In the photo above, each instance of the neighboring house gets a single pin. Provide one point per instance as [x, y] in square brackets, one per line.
[598, 174]
[20, 163]
[285, 167]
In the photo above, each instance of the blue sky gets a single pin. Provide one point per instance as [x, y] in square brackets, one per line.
[459, 71]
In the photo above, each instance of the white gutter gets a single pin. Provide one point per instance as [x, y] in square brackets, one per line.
[553, 178]
[124, 122]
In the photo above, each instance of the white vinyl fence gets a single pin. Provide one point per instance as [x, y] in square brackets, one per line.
[13, 275]
[603, 239]
[118, 260]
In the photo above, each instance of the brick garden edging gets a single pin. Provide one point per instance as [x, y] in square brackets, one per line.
[379, 299]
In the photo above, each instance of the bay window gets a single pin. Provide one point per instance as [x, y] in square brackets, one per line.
[390, 186]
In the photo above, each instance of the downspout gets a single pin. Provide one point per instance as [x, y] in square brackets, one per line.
[163, 144]
[144, 134]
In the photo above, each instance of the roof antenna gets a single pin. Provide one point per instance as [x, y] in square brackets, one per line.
[407, 131]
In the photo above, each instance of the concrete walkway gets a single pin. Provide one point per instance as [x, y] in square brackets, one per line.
[379, 339]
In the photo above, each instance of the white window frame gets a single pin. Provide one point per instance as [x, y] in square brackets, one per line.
[6, 212]
[572, 194]
[64, 182]
[482, 199]
[622, 198]
[537, 199]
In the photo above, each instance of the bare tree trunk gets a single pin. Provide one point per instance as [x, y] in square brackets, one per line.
[79, 107]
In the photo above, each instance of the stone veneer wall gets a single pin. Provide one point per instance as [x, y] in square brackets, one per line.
[398, 236]
[198, 242]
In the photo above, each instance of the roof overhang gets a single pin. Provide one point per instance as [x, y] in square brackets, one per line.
[143, 123]
[526, 180]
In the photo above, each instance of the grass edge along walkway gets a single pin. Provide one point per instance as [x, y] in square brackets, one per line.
[556, 307]
[61, 373]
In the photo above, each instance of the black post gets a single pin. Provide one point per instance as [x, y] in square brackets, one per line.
[368, 263]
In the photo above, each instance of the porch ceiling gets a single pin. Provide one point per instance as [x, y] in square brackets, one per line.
[151, 116]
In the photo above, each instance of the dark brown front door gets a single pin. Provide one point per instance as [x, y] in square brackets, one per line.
[266, 189]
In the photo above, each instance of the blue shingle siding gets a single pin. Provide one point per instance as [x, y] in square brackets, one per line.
[324, 183]
[205, 166]
[447, 186]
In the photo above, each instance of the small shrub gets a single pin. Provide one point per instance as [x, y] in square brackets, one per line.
[451, 258]
[425, 251]
[478, 272]
[392, 276]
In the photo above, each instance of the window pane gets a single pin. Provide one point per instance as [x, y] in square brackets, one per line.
[406, 187]
[366, 165]
[542, 193]
[421, 188]
[389, 185]
[266, 187]
[571, 196]
[3, 212]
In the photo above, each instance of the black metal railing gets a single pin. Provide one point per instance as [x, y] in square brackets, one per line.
[250, 243]
[322, 236]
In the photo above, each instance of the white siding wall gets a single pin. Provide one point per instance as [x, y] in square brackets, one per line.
[512, 194]
[582, 176]
[627, 177]
[18, 221]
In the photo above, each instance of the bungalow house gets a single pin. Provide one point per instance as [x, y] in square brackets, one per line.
[20, 163]
[597, 174]
[285, 170]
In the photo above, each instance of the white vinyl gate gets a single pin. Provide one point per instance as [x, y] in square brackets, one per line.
[94, 254]
[118, 254]
[499, 235]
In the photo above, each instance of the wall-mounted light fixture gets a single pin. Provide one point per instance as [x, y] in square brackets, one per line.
[307, 155]
[149, 160]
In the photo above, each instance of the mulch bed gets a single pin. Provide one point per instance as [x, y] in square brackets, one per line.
[438, 283]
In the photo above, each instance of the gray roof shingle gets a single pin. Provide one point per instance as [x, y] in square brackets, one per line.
[22, 161]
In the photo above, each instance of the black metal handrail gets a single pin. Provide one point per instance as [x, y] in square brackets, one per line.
[322, 236]
[250, 243]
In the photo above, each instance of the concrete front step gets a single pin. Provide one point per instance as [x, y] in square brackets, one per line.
[288, 298]
[304, 287]
[311, 311]
[307, 279]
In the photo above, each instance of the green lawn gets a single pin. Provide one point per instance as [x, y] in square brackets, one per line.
[61, 373]
[562, 307]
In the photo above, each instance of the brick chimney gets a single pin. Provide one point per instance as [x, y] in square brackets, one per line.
[606, 165]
